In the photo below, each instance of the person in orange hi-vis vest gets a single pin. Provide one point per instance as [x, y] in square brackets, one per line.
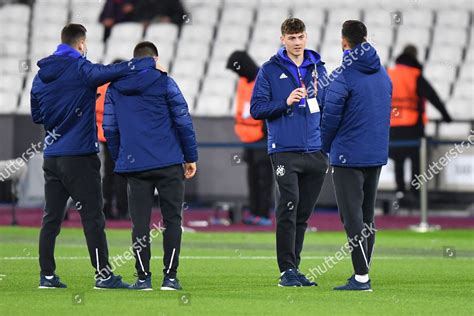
[408, 118]
[252, 132]
[113, 185]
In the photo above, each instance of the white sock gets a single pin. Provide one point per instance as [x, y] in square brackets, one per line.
[49, 277]
[362, 278]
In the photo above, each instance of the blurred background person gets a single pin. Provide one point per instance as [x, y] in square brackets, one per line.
[163, 11]
[116, 11]
[408, 118]
[113, 185]
[252, 132]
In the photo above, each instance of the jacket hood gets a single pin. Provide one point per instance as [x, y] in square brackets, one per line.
[310, 57]
[363, 58]
[137, 83]
[52, 67]
[407, 60]
[242, 64]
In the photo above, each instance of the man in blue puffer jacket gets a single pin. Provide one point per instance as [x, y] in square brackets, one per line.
[63, 101]
[150, 136]
[355, 131]
[287, 94]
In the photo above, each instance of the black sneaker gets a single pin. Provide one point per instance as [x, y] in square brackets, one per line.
[54, 283]
[143, 285]
[170, 284]
[304, 280]
[289, 278]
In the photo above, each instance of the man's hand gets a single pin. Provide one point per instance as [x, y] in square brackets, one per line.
[295, 96]
[189, 170]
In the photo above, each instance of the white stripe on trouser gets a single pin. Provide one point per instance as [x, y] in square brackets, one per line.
[171, 262]
[371, 255]
[97, 259]
[141, 263]
[363, 253]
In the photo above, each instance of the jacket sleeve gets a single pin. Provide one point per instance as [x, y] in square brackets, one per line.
[261, 105]
[35, 106]
[96, 74]
[182, 121]
[334, 103]
[425, 90]
[110, 126]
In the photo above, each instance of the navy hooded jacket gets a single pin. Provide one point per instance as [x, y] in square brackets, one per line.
[356, 119]
[63, 99]
[147, 123]
[290, 128]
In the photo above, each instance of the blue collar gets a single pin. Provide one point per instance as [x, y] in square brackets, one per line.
[66, 50]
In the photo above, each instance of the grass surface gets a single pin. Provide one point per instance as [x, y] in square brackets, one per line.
[236, 273]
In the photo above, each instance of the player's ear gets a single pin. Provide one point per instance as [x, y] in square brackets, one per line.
[282, 39]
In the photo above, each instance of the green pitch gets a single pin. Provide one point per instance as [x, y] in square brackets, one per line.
[236, 273]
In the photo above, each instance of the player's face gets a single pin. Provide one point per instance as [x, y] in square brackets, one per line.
[294, 43]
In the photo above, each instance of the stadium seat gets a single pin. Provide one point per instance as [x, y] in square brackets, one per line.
[17, 49]
[467, 72]
[25, 103]
[272, 14]
[219, 86]
[13, 31]
[213, 106]
[463, 90]
[8, 102]
[440, 72]
[450, 37]
[86, 11]
[124, 50]
[202, 15]
[162, 33]
[450, 55]
[187, 67]
[233, 33]
[240, 16]
[95, 51]
[188, 86]
[16, 13]
[222, 50]
[418, 18]
[193, 50]
[442, 87]
[380, 35]
[42, 47]
[452, 18]
[455, 130]
[131, 31]
[313, 17]
[262, 52]
[217, 68]
[374, 18]
[413, 35]
[461, 108]
[9, 65]
[11, 83]
[338, 16]
[204, 33]
[57, 14]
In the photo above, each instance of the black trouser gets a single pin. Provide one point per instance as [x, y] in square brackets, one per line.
[399, 154]
[299, 178]
[113, 185]
[356, 191]
[77, 177]
[169, 182]
[260, 181]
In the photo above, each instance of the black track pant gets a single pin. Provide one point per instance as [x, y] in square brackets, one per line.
[114, 185]
[356, 191]
[77, 177]
[299, 178]
[169, 182]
